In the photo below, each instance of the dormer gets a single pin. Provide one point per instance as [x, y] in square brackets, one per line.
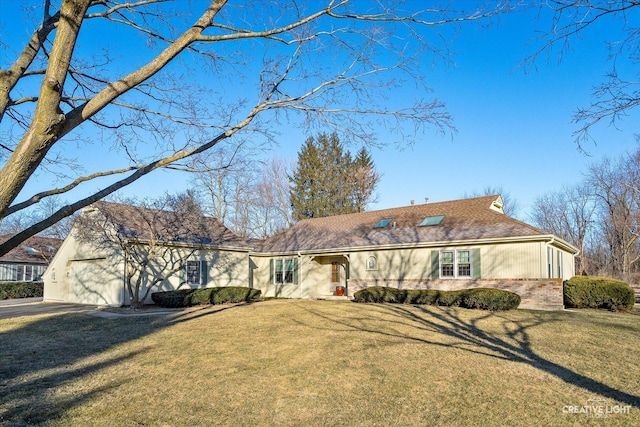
[497, 204]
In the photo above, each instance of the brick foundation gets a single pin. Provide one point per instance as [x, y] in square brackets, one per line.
[540, 294]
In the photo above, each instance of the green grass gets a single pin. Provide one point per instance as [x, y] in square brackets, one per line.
[287, 362]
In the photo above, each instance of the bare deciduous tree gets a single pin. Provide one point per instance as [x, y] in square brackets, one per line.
[272, 201]
[332, 63]
[569, 214]
[147, 235]
[250, 201]
[620, 92]
[615, 185]
[600, 216]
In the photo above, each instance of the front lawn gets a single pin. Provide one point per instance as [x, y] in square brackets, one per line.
[293, 362]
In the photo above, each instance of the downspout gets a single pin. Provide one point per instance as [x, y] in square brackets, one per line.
[124, 279]
[300, 275]
[347, 273]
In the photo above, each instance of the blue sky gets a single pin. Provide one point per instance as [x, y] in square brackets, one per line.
[513, 125]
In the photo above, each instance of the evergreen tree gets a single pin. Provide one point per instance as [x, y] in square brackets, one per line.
[365, 179]
[328, 181]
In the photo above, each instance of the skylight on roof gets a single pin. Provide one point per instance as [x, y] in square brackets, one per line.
[382, 223]
[431, 220]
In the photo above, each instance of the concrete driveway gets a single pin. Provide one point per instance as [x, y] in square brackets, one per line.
[35, 306]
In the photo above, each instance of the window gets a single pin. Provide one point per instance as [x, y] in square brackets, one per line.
[550, 262]
[447, 260]
[21, 272]
[38, 271]
[559, 263]
[8, 272]
[284, 271]
[455, 263]
[372, 263]
[431, 220]
[382, 223]
[464, 263]
[28, 273]
[195, 272]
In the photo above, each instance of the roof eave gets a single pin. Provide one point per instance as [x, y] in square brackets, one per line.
[549, 238]
[193, 245]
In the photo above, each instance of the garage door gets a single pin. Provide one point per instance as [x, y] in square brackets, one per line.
[94, 282]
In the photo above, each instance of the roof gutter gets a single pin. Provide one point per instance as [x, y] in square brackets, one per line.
[191, 245]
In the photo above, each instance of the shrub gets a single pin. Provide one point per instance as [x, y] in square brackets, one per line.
[233, 294]
[11, 290]
[489, 299]
[422, 296]
[380, 294]
[480, 298]
[598, 292]
[449, 298]
[190, 297]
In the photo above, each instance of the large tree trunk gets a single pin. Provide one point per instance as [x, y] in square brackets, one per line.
[48, 118]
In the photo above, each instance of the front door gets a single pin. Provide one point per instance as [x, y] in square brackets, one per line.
[338, 278]
[335, 273]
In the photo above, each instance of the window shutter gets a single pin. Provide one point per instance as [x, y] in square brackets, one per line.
[271, 261]
[295, 270]
[476, 266]
[203, 273]
[435, 264]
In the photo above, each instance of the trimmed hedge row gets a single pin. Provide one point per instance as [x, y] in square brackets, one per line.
[11, 290]
[598, 292]
[480, 298]
[190, 297]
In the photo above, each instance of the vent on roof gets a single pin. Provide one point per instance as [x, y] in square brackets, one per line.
[431, 220]
[382, 223]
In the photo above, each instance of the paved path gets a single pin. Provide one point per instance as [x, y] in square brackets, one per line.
[24, 307]
[34, 306]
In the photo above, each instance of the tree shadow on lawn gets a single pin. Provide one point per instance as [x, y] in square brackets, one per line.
[42, 357]
[513, 344]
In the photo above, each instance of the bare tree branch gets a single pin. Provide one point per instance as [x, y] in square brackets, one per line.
[330, 63]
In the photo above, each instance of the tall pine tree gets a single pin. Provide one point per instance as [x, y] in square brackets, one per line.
[328, 181]
[364, 179]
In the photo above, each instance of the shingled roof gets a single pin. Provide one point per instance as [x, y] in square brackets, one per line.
[36, 250]
[143, 223]
[466, 219]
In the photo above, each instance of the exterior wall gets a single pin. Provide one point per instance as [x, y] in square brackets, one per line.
[224, 268]
[314, 277]
[400, 264]
[260, 278]
[525, 260]
[517, 267]
[81, 274]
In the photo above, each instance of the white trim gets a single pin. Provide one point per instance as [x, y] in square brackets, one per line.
[456, 270]
[545, 238]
